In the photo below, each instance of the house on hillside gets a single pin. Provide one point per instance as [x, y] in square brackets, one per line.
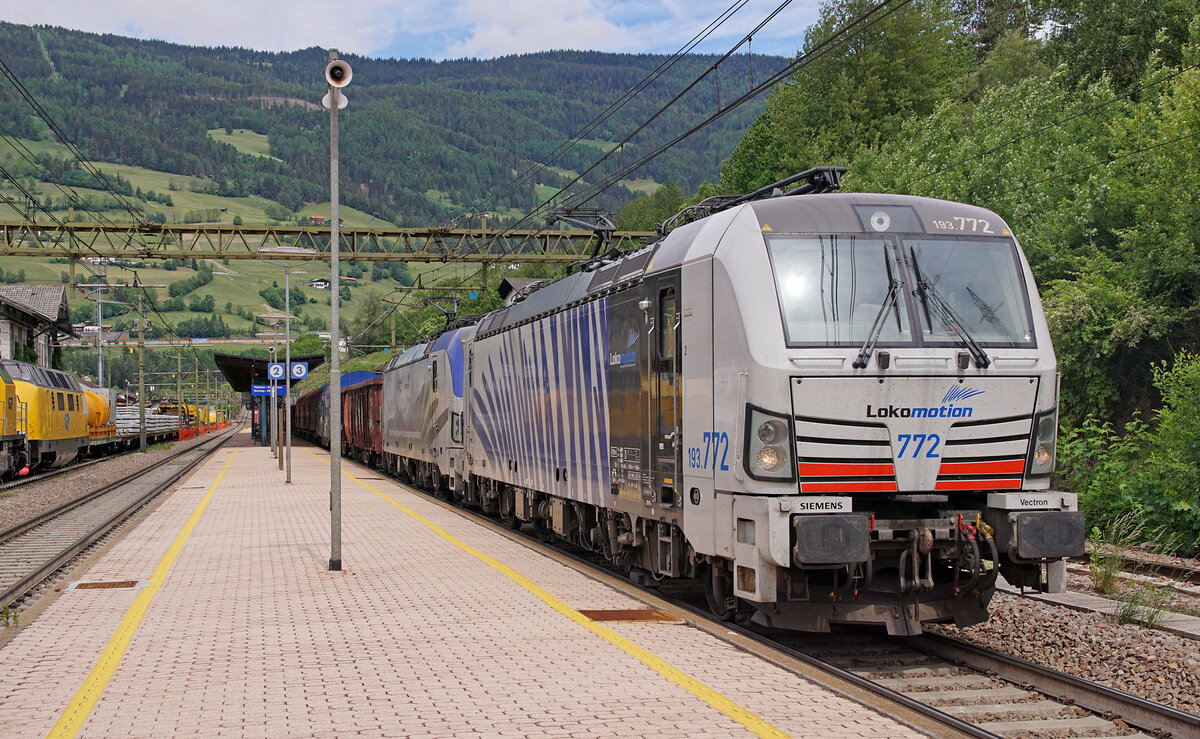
[31, 319]
[321, 283]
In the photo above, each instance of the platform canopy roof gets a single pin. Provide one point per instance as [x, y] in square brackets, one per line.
[241, 372]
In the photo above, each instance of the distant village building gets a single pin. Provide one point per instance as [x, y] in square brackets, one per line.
[321, 283]
[31, 319]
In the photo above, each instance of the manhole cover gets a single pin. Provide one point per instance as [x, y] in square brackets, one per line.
[106, 585]
[631, 614]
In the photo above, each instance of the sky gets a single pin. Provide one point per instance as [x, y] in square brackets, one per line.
[432, 29]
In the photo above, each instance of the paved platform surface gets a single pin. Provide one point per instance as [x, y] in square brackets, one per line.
[237, 628]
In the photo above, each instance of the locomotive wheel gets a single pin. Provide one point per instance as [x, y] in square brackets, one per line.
[718, 586]
[508, 511]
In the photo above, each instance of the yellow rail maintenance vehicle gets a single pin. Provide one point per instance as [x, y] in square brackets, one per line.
[56, 416]
[12, 428]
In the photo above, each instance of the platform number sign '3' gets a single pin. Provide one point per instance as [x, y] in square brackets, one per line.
[299, 370]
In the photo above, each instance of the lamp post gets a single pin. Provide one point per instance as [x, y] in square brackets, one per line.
[337, 76]
[288, 252]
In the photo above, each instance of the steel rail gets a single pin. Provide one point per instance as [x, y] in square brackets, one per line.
[1147, 715]
[60, 471]
[1139, 566]
[27, 583]
[21, 482]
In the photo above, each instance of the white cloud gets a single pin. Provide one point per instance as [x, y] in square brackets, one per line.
[430, 28]
[359, 26]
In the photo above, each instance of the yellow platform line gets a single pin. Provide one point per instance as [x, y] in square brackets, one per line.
[753, 723]
[80, 707]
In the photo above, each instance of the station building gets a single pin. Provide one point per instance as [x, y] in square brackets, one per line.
[32, 317]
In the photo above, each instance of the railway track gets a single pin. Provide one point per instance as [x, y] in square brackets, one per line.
[32, 551]
[999, 694]
[59, 472]
[1181, 576]
[962, 688]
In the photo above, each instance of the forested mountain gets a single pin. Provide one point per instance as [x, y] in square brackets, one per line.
[421, 140]
[1078, 121]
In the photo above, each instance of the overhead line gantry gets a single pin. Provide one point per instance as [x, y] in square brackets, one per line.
[83, 240]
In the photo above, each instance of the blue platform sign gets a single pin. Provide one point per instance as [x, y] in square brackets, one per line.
[299, 370]
[264, 391]
[275, 370]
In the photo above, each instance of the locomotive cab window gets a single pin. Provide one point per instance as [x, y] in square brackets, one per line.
[832, 288]
[979, 281]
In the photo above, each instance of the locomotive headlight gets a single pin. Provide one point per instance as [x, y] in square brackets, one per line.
[771, 430]
[1042, 456]
[1042, 445]
[768, 459]
[768, 453]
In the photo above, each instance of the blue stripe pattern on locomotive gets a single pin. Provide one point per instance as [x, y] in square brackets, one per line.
[452, 343]
[540, 398]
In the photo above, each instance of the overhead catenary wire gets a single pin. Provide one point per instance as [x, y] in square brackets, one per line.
[622, 172]
[65, 139]
[611, 110]
[840, 37]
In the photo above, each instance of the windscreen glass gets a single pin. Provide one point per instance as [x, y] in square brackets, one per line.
[832, 289]
[979, 281]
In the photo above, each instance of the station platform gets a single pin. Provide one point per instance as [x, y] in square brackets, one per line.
[226, 621]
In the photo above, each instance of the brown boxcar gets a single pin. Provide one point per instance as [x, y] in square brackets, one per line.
[308, 422]
[362, 420]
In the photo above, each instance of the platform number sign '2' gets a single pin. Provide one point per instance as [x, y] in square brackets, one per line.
[275, 371]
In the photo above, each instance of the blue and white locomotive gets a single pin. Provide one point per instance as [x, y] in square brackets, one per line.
[832, 408]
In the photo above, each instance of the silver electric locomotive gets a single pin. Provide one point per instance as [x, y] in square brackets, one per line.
[832, 408]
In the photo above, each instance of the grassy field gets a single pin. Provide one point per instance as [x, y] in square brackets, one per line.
[237, 283]
[642, 187]
[245, 141]
[250, 209]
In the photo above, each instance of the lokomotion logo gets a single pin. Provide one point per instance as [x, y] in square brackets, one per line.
[948, 409]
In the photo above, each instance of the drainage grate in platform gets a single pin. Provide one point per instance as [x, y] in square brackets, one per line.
[193, 487]
[106, 585]
[368, 478]
[650, 615]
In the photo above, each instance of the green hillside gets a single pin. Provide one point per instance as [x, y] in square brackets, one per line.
[421, 141]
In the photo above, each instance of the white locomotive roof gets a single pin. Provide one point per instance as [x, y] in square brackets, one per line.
[826, 213]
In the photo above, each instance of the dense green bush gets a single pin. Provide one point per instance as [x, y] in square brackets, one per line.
[1150, 470]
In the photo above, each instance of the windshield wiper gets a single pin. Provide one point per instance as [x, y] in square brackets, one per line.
[893, 294]
[933, 299]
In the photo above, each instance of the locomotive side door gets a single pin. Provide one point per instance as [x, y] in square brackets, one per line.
[666, 441]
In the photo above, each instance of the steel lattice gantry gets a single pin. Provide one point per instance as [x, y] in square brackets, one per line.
[219, 241]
